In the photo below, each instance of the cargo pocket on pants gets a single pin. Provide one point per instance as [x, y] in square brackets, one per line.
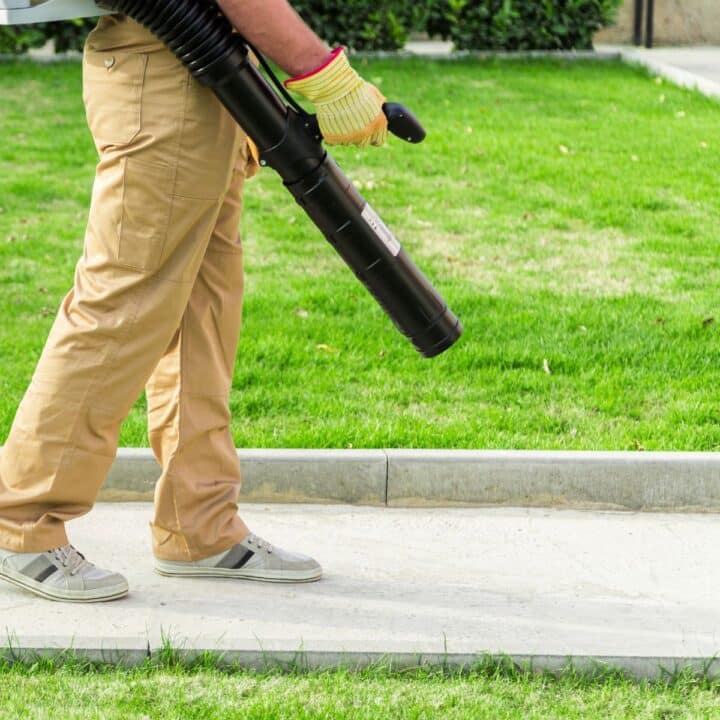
[112, 92]
[147, 200]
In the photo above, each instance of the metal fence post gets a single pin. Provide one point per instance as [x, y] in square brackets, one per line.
[649, 21]
[638, 22]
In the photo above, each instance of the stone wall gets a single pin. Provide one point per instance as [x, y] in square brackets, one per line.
[677, 22]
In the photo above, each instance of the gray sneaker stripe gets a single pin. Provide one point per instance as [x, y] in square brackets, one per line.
[243, 560]
[38, 567]
[232, 556]
[236, 558]
[45, 574]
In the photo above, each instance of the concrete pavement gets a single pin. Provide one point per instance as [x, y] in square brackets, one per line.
[702, 61]
[696, 68]
[639, 591]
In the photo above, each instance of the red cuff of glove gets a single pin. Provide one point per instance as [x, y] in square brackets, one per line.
[318, 69]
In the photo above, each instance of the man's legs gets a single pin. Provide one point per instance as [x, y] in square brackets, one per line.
[167, 152]
[158, 288]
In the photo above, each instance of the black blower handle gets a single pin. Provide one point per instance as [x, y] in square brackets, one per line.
[401, 122]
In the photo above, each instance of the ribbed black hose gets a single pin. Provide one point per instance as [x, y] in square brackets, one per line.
[195, 30]
[204, 40]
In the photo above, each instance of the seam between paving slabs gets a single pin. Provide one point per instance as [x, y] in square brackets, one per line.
[387, 476]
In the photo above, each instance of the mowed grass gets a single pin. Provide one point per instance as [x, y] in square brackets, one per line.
[568, 212]
[172, 693]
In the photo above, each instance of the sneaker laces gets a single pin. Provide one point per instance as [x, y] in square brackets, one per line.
[70, 558]
[254, 539]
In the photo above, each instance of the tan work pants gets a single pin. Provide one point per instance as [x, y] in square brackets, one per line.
[156, 302]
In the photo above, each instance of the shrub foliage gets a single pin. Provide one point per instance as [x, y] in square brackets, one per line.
[386, 24]
[67, 35]
[519, 24]
[359, 24]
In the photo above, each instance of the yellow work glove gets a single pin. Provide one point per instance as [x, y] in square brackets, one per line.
[349, 109]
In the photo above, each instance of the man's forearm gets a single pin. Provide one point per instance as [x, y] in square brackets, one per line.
[278, 32]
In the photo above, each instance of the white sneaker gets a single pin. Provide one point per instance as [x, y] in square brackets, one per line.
[252, 559]
[61, 574]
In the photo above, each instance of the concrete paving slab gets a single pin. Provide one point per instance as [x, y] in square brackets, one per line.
[582, 479]
[696, 68]
[291, 476]
[702, 61]
[321, 476]
[423, 585]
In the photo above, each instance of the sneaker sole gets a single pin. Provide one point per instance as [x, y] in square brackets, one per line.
[276, 576]
[75, 596]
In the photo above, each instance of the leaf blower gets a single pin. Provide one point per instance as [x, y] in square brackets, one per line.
[289, 141]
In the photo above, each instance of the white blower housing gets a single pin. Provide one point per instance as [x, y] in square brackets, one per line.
[23, 12]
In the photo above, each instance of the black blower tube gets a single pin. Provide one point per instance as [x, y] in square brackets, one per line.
[289, 142]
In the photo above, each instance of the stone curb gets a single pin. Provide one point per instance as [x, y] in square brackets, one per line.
[133, 653]
[357, 477]
[648, 481]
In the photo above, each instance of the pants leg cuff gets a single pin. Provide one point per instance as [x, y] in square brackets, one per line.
[179, 547]
[32, 541]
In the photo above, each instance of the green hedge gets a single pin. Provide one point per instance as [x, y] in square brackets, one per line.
[68, 35]
[360, 24]
[519, 24]
[386, 24]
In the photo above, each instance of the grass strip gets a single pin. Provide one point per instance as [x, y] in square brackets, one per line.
[169, 689]
[567, 210]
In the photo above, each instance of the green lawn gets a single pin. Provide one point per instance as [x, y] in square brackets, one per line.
[568, 212]
[207, 693]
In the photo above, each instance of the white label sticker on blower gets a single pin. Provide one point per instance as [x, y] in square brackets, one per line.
[381, 230]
